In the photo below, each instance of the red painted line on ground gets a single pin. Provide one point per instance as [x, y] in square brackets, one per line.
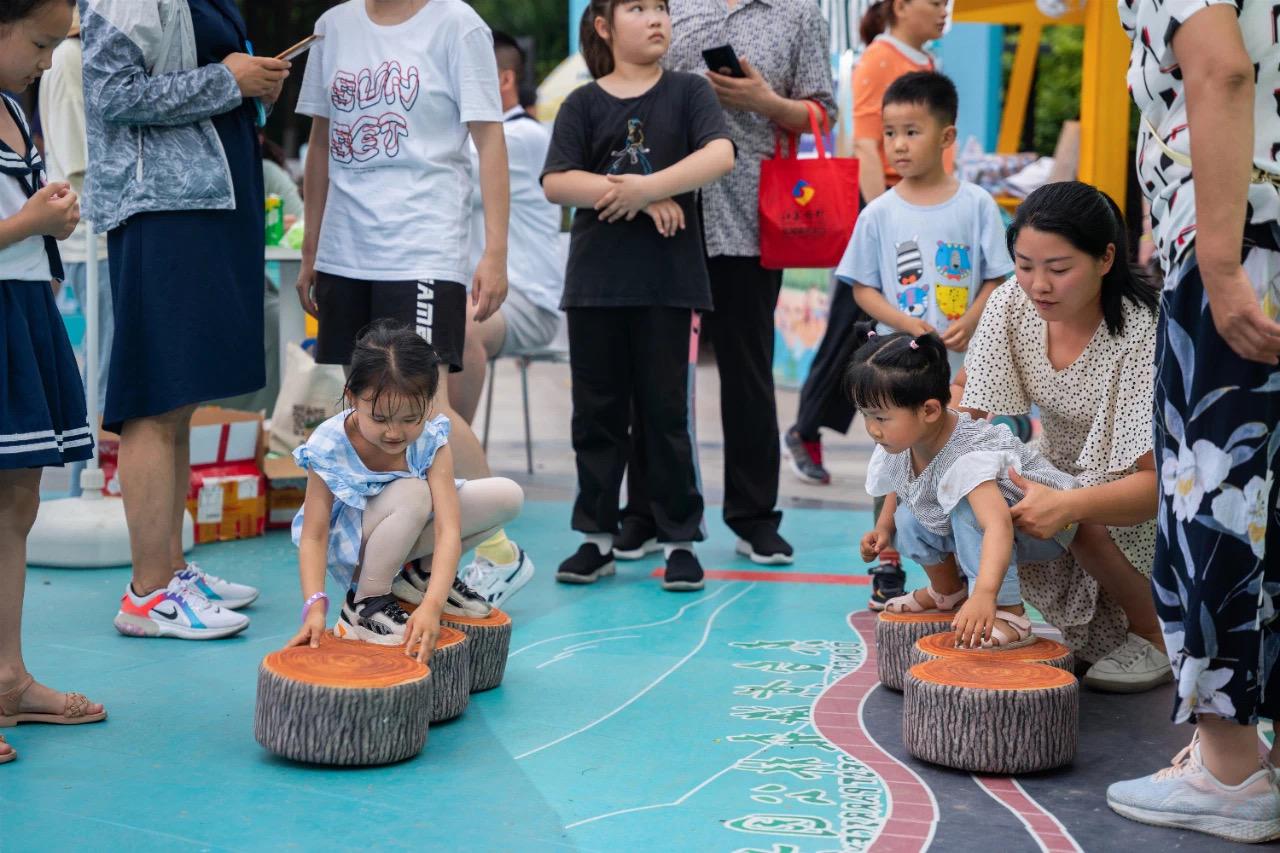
[1041, 825]
[777, 577]
[837, 716]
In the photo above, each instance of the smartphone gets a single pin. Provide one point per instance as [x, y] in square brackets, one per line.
[724, 57]
[299, 48]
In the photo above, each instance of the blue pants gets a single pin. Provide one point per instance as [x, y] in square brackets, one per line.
[965, 542]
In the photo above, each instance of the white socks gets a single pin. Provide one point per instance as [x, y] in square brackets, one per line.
[670, 547]
[602, 541]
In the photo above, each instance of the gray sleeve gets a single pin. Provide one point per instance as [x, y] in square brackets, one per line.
[811, 79]
[118, 87]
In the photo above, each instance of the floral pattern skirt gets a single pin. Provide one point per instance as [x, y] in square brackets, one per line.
[1217, 571]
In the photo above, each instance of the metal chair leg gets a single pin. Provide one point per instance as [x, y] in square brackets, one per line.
[528, 434]
[488, 405]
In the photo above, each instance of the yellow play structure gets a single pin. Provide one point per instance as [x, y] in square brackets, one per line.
[1104, 95]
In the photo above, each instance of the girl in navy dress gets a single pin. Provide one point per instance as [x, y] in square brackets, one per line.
[42, 409]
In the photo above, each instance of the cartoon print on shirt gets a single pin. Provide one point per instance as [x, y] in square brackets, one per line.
[372, 134]
[634, 152]
[913, 298]
[956, 267]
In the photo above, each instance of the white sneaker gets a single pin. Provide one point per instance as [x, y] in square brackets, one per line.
[380, 620]
[1188, 796]
[496, 582]
[1134, 667]
[411, 584]
[221, 592]
[178, 610]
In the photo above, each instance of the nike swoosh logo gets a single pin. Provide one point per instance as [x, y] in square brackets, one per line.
[172, 614]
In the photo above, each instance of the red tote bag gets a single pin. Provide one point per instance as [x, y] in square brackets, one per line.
[807, 207]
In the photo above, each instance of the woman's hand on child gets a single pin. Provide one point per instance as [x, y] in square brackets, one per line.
[312, 629]
[1041, 512]
[54, 210]
[628, 196]
[873, 542]
[974, 621]
[257, 76]
[668, 215]
[422, 632]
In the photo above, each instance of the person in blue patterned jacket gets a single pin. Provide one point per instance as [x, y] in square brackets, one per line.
[173, 100]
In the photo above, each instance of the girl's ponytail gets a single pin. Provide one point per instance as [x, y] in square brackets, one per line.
[878, 18]
[595, 50]
[898, 370]
[1089, 220]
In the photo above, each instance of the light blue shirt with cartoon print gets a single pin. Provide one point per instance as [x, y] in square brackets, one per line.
[930, 262]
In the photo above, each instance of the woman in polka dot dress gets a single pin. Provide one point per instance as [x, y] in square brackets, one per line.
[1074, 334]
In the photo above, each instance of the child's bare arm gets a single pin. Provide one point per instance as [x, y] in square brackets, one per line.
[957, 336]
[574, 188]
[977, 617]
[424, 626]
[630, 194]
[313, 556]
[872, 301]
[489, 284]
[315, 193]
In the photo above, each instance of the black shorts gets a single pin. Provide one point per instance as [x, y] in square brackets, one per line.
[436, 310]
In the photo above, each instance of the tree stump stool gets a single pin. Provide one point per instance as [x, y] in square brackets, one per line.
[1043, 651]
[896, 634]
[451, 663]
[989, 716]
[343, 703]
[489, 642]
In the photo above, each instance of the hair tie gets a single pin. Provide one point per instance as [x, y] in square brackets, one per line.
[871, 334]
[913, 344]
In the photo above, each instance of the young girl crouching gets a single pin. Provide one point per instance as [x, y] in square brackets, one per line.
[381, 492]
[949, 481]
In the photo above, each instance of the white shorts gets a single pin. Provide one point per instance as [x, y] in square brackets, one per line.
[529, 327]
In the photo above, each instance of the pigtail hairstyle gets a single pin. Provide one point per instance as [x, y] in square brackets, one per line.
[878, 18]
[389, 356]
[898, 371]
[12, 11]
[1089, 219]
[596, 51]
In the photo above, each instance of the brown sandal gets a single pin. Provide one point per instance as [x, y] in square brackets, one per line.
[75, 712]
[10, 755]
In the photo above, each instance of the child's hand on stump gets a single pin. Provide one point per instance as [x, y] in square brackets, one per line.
[423, 631]
[873, 542]
[312, 629]
[974, 621]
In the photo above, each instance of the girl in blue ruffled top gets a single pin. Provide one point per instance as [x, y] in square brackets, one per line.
[381, 493]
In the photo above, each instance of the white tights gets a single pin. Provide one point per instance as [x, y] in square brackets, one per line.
[399, 525]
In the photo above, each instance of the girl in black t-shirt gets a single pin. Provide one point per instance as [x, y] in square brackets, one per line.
[639, 140]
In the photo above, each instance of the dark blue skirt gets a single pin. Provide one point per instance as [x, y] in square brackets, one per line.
[42, 409]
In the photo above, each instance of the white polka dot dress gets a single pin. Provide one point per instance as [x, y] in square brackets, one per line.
[1096, 415]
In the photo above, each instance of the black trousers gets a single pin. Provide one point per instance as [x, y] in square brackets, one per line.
[741, 330]
[632, 381]
[824, 401]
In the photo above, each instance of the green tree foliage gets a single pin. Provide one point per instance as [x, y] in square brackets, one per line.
[1056, 97]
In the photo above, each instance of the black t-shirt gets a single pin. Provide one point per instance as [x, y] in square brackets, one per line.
[620, 264]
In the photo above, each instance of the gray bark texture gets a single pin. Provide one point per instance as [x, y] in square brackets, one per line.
[339, 725]
[451, 671]
[894, 642]
[990, 731]
[489, 646]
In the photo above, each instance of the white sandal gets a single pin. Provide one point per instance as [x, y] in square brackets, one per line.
[942, 603]
[1022, 635]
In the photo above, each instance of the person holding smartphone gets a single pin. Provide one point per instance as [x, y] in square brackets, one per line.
[172, 98]
[782, 48]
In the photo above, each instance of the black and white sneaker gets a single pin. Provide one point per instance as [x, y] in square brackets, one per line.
[683, 573]
[888, 581]
[637, 539]
[587, 565]
[411, 584]
[379, 619]
[767, 548]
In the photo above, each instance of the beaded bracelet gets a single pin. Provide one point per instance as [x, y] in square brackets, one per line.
[319, 596]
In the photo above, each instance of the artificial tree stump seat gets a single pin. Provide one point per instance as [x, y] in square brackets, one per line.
[896, 634]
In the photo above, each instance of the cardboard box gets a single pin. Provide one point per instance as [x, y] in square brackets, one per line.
[286, 490]
[227, 496]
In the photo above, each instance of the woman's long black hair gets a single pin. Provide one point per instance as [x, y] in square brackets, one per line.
[1090, 220]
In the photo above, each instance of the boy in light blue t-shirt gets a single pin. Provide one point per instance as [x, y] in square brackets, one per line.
[925, 255]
